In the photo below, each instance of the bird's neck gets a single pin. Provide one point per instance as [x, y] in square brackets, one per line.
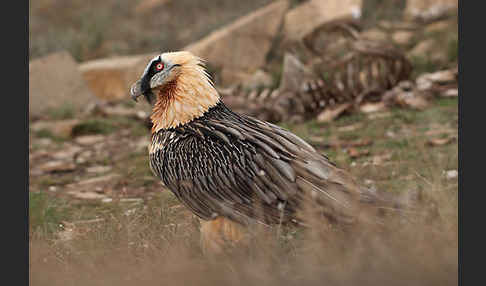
[183, 100]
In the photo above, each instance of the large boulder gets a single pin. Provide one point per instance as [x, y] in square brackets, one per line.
[239, 49]
[55, 82]
[110, 79]
[306, 17]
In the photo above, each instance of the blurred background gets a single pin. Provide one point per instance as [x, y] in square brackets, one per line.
[370, 83]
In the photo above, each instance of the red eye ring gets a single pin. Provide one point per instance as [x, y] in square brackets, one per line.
[159, 66]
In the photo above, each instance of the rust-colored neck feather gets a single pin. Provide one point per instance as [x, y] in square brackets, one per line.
[184, 99]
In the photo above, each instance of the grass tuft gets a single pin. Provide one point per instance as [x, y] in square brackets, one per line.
[93, 126]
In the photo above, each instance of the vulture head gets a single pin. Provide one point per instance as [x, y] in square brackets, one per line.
[178, 87]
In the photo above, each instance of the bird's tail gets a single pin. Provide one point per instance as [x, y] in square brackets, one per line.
[389, 202]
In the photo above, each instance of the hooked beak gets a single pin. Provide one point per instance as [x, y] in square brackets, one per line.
[136, 90]
[156, 81]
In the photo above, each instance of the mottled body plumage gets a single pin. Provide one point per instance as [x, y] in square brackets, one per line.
[226, 164]
[221, 164]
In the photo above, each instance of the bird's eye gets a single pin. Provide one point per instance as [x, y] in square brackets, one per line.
[159, 66]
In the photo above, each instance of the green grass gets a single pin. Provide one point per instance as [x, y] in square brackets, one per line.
[46, 213]
[423, 64]
[93, 126]
[65, 111]
[453, 49]
[45, 133]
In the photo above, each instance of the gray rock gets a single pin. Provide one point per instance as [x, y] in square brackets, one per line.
[55, 82]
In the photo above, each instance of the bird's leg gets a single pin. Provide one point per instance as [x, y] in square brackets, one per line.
[219, 234]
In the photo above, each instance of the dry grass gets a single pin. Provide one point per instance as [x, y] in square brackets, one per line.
[156, 241]
[147, 246]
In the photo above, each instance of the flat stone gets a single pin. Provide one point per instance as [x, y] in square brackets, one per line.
[98, 169]
[89, 139]
[98, 180]
[57, 166]
[87, 195]
[67, 153]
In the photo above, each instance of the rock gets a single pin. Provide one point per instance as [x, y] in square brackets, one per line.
[84, 156]
[110, 79]
[258, 79]
[55, 82]
[440, 141]
[294, 74]
[89, 139]
[149, 5]
[453, 92]
[240, 48]
[403, 37]
[439, 77]
[429, 10]
[443, 83]
[119, 110]
[305, 18]
[67, 153]
[98, 169]
[59, 128]
[375, 35]
[57, 166]
[451, 174]
[96, 180]
[87, 195]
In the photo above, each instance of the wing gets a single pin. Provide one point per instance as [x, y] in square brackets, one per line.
[246, 169]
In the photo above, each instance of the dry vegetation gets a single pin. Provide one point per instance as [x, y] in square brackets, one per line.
[153, 240]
